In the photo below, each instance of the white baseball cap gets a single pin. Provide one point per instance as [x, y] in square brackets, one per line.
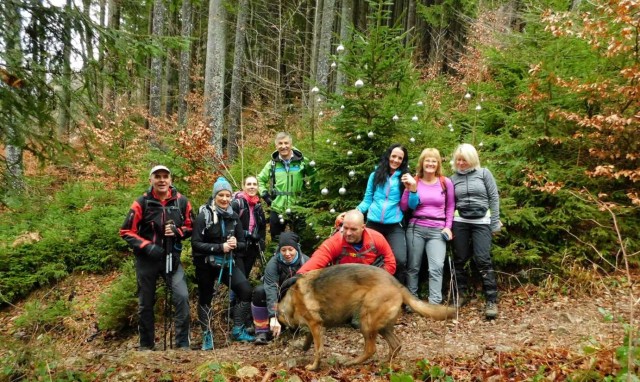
[158, 168]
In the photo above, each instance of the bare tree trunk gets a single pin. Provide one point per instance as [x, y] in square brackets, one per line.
[345, 24]
[277, 104]
[155, 89]
[214, 73]
[64, 111]
[411, 23]
[110, 66]
[309, 44]
[170, 82]
[324, 50]
[235, 103]
[185, 62]
[313, 66]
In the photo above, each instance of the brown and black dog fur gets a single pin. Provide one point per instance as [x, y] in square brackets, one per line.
[332, 296]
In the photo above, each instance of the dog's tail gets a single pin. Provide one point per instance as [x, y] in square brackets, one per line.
[437, 312]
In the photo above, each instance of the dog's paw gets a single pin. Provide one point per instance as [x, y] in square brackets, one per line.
[312, 366]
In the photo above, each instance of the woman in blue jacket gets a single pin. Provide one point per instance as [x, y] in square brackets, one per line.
[381, 203]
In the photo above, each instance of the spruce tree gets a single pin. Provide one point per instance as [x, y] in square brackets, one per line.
[381, 103]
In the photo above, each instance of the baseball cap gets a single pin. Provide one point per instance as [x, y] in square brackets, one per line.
[158, 168]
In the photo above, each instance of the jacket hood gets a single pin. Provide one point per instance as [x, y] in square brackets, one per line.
[297, 155]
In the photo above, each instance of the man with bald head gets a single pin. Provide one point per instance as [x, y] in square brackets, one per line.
[355, 244]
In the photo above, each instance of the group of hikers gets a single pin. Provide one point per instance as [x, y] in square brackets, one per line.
[401, 218]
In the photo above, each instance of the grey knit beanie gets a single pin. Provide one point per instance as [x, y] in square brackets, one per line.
[220, 185]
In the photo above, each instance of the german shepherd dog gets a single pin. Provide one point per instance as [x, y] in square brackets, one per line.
[333, 296]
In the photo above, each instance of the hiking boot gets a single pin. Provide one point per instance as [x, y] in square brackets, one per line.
[240, 334]
[491, 310]
[262, 338]
[460, 301]
[207, 340]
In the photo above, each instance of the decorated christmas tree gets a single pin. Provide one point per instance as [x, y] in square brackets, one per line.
[381, 103]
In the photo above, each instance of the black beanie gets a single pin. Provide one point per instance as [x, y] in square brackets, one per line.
[288, 238]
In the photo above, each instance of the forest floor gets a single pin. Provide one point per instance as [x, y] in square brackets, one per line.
[540, 334]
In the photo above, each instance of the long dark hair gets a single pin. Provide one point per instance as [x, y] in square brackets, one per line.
[383, 171]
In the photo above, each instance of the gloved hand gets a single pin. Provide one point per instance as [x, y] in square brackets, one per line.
[155, 252]
[267, 198]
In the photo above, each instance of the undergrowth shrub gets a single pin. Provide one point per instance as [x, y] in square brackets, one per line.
[40, 316]
[75, 228]
[117, 306]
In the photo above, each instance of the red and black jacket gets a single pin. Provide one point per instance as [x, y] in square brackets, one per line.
[146, 219]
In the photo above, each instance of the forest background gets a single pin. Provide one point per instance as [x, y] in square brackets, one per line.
[94, 93]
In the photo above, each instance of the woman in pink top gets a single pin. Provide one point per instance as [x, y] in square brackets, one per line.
[430, 195]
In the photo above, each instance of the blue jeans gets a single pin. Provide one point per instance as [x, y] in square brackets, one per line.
[418, 239]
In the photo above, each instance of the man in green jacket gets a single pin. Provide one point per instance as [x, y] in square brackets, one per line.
[282, 182]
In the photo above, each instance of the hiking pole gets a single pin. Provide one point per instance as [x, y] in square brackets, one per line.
[229, 310]
[168, 270]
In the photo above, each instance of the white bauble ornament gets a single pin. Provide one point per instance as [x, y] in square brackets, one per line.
[478, 107]
[412, 139]
[349, 153]
[420, 103]
[414, 118]
[328, 140]
[370, 134]
[312, 163]
[359, 137]
[333, 65]
[340, 48]
[352, 173]
[318, 99]
[288, 210]
[480, 144]
[467, 96]
[280, 216]
[317, 237]
[310, 224]
[333, 210]
[315, 90]
[359, 84]
[395, 118]
[335, 143]
[341, 107]
[324, 191]
[281, 221]
[342, 191]
[320, 114]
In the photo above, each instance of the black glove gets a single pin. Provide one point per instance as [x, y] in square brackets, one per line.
[266, 197]
[155, 252]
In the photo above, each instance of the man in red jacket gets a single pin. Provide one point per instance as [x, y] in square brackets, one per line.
[355, 244]
[159, 219]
